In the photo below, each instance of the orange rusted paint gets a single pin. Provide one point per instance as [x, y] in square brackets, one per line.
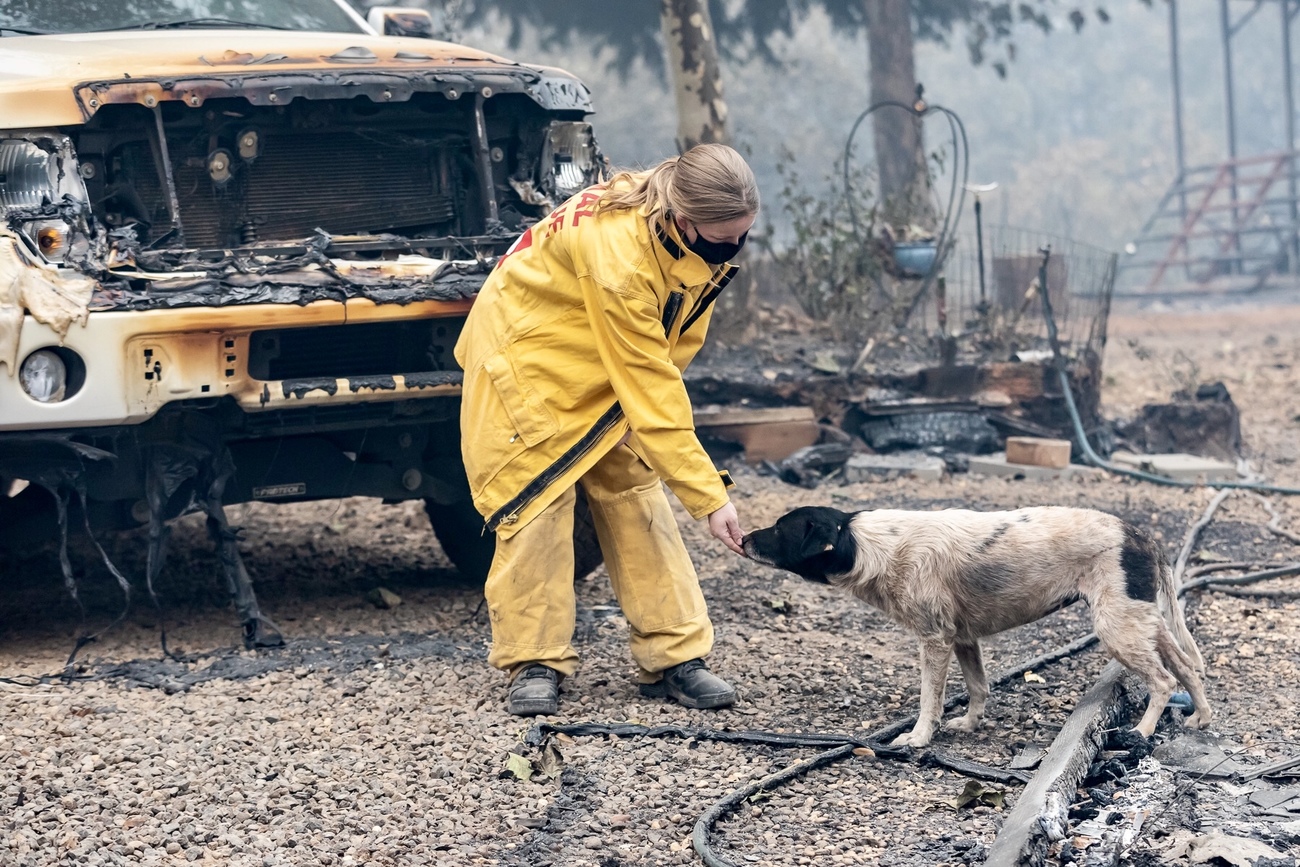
[232, 318]
[254, 316]
[365, 310]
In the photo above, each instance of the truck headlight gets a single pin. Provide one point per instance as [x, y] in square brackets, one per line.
[51, 237]
[36, 169]
[571, 157]
[44, 376]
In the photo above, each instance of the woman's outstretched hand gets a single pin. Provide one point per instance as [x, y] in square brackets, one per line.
[724, 524]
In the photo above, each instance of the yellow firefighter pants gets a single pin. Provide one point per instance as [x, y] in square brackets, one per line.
[530, 593]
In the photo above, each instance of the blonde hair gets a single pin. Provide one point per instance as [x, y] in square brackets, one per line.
[710, 183]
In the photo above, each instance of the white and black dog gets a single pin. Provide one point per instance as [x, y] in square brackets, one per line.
[951, 577]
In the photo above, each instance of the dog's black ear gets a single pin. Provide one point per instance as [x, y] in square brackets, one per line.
[819, 537]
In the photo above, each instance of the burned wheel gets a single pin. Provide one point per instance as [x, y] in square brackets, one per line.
[459, 528]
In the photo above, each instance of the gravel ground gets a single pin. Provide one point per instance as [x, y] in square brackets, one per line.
[378, 736]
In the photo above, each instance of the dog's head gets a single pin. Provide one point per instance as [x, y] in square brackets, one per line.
[814, 542]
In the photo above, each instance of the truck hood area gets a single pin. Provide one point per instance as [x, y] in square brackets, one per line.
[51, 80]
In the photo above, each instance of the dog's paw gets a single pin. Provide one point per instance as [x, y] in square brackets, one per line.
[911, 739]
[962, 724]
[1198, 720]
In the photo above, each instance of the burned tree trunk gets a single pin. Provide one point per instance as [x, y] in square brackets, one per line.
[900, 151]
[693, 64]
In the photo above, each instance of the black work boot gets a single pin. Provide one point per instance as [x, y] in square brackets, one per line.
[536, 690]
[692, 684]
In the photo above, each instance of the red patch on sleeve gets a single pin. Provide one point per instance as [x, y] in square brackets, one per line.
[523, 242]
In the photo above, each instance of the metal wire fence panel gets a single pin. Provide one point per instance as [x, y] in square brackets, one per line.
[999, 316]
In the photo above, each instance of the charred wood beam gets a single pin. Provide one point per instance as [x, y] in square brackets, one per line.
[1041, 814]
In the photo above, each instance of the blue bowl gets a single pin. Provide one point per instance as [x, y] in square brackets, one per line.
[915, 259]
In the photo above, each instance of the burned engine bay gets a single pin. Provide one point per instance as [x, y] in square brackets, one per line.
[226, 202]
[246, 173]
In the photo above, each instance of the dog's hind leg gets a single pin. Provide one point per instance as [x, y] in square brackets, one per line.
[1184, 668]
[977, 687]
[935, 657]
[1132, 639]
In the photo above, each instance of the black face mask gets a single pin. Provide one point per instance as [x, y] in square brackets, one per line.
[714, 252]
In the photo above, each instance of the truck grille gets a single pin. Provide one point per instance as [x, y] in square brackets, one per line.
[343, 181]
[342, 351]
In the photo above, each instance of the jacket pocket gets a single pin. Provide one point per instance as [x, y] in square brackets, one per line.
[532, 420]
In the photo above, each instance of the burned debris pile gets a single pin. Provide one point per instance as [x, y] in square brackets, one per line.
[1204, 421]
[970, 366]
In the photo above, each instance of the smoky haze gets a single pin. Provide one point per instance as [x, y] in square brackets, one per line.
[1079, 135]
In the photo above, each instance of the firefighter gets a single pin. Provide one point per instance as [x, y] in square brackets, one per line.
[573, 356]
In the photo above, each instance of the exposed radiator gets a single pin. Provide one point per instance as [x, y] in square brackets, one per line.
[341, 182]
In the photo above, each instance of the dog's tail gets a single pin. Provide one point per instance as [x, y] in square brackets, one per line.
[1167, 600]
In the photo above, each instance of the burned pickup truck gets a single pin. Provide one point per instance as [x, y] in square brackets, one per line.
[237, 244]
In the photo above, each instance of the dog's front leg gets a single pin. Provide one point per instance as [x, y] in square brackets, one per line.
[977, 687]
[935, 656]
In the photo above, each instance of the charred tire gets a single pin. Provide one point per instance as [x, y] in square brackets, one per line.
[459, 528]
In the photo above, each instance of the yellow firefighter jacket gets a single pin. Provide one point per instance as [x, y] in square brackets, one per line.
[581, 332]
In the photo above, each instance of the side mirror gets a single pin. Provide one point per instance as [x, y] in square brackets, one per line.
[401, 21]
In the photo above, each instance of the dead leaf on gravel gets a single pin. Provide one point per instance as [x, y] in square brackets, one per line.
[781, 606]
[1030, 677]
[520, 767]
[975, 793]
[550, 764]
[825, 362]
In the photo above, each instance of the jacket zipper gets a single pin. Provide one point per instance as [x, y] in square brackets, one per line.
[509, 513]
[672, 307]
